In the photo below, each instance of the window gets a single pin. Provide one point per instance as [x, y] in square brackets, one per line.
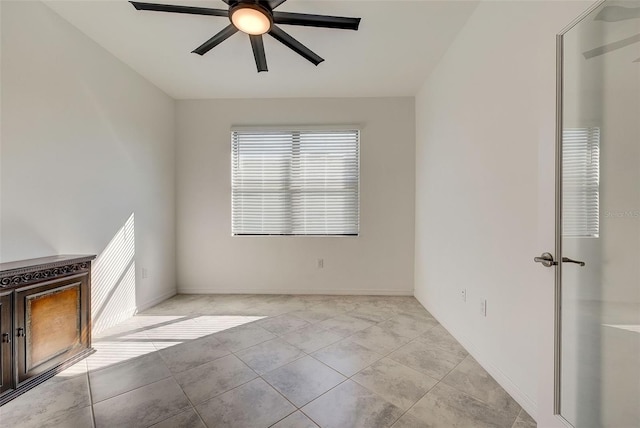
[300, 182]
[581, 182]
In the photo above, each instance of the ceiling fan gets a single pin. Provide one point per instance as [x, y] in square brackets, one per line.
[255, 18]
[615, 14]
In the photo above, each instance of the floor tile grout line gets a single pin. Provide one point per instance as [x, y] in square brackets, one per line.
[346, 339]
[347, 378]
[182, 389]
[310, 418]
[474, 396]
[93, 415]
[516, 419]
[429, 390]
[364, 368]
[387, 356]
[188, 399]
[453, 387]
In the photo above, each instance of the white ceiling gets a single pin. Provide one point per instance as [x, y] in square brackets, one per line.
[397, 45]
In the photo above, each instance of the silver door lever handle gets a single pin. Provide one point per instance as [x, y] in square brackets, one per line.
[568, 260]
[546, 259]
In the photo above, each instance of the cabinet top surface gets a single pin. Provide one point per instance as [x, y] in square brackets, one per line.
[43, 261]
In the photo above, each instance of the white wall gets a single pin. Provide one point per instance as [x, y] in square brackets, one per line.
[87, 145]
[379, 261]
[485, 135]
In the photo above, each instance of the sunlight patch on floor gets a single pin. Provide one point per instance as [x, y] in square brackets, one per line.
[145, 334]
[109, 353]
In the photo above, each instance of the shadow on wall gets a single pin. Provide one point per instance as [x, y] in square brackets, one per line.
[113, 279]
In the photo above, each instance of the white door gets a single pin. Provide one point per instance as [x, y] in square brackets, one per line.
[593, 380]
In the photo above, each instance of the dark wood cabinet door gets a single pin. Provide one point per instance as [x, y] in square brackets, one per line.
[51, 326]
[6, 343]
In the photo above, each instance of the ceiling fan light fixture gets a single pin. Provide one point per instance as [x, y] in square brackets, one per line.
[251, 18]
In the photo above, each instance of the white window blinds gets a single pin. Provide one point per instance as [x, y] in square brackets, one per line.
[295, 182]
[581, 182]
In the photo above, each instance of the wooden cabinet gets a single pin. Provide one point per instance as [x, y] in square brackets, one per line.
[6, 342]
[45, 319]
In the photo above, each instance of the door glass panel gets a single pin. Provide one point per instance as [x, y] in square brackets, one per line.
[600, 306]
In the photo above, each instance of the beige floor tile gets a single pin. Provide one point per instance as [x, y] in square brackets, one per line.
[414, 309]
[311, 338]
[471, 378]
[121, 331]
[395, 383]
[348, 335]
[303, 380]
[524, 421]
[109, 353]
[371, 313]
[186, 419]
[347, 357]
[440, 337]
[409, 421]
[379, 340]
[340, 304]
[269, 355]
[142, 407]
[178, 330]
[427, 359]
[208, 380]
[282, 324]
[296, 420]
[351, 405]
[345, 325]
[242, 337]
[446, 407]
[253, 405]
[193, 353]
[78, 369]
[408, 326]
[315, 314]
[127, 376]
[48, 402]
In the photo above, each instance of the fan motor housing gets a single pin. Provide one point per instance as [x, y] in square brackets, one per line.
[243, 5]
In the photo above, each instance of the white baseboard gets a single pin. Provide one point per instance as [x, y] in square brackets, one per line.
[159, 299]
[341, 292]
[525, 401]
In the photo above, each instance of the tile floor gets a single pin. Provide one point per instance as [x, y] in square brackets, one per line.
[273, 361]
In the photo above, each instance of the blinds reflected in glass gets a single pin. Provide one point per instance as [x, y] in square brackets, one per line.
[581, 182]
[295, 182]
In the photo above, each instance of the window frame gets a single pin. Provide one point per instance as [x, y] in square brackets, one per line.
[299, 129]
[571, 228]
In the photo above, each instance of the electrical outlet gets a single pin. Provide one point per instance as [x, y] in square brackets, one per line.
[483, 307]
[320, 263]
[145, 273]
[463, 294]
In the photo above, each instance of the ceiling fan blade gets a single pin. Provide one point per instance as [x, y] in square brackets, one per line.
[223, 35]
[258, 52]
[287, 18]
[275, 3]
[179, 9]
[618, 13]
[611, 47]
[286, 39]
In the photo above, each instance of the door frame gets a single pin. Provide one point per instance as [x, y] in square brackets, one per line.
[551, 331]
